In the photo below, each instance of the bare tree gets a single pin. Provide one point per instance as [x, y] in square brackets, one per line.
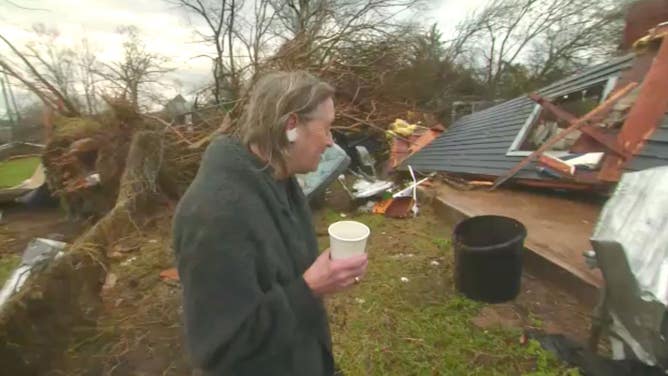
[578, 41]
[296, 33]
[57, 62]
[138, 69]
[87, 63]
[10, 91]
[219, 17]
[254, 34]
[501, 34]
[69, 70]
[27, 74]
[314, 28]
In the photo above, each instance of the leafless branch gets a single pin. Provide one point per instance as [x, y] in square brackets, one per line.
[70, 109]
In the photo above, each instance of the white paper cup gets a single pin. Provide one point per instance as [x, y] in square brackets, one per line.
[347, 238]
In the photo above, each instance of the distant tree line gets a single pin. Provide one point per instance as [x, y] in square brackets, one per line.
[374, 50]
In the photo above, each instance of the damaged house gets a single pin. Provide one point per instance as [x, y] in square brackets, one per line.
[582, 132]
[604, 127]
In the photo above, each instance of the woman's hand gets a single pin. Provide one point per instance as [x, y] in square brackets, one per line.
[326, 276]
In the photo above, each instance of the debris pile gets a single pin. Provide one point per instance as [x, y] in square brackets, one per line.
[85, 157]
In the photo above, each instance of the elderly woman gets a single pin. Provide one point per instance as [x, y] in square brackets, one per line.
[247, 254]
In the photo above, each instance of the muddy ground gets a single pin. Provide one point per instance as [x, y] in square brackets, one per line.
[403, 319]
[19, 225]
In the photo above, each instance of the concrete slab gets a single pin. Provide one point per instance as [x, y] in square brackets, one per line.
[558, 227]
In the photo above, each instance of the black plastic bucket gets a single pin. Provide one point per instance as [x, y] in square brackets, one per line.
[488, 258]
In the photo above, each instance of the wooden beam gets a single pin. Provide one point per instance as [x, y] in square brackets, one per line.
[555, 184]
[609, 141]
[575, 126]
[557, 165]
[645, 115]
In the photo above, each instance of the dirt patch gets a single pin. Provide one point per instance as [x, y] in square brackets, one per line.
[540, 305]
[20, 224]
[498, 317]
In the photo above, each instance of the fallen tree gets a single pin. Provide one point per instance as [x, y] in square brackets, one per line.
[36, 323]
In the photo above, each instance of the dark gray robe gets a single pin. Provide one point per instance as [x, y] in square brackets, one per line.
[242, 242]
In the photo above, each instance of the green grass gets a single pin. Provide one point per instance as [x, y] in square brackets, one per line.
[7, 265]
[14, 172]
[386, 326]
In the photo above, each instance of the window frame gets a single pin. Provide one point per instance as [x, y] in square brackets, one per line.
[513, 150]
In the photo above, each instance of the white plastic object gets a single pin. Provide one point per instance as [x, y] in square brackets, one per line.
[291, 134]
[347, 238]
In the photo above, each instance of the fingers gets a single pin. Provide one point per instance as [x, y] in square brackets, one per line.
[361, 270]
[338, 274]
[347, 268]
[350, 262]
[346, 277]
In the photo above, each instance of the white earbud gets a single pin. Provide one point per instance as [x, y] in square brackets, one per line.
[291, 134]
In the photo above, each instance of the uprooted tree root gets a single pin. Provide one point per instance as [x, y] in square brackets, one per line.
[35, 324]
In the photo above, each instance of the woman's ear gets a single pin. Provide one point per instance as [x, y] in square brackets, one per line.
[291, 128]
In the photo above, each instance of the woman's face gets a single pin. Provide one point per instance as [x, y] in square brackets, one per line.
[314, 136]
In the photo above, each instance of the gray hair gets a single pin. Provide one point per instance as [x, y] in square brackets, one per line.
[272, 100]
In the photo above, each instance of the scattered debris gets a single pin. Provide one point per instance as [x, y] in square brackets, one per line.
[406, 144]
[411, 188]
[92, 180]
[170, 274]
[36, 257]
[588, 361]
[129, 261]
[400, 207]
[368, 207]
[402, 256]
[333, 162]
[116, 255]
[364, 188]
[463, 184]
[366, 160]
[31, 184]
[381, 207]
[110, 281]
[56, 236]
[402, 128]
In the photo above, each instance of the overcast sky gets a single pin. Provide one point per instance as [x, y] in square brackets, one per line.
[164, 28]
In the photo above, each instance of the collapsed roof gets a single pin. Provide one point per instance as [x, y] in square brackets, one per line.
[492, 142]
